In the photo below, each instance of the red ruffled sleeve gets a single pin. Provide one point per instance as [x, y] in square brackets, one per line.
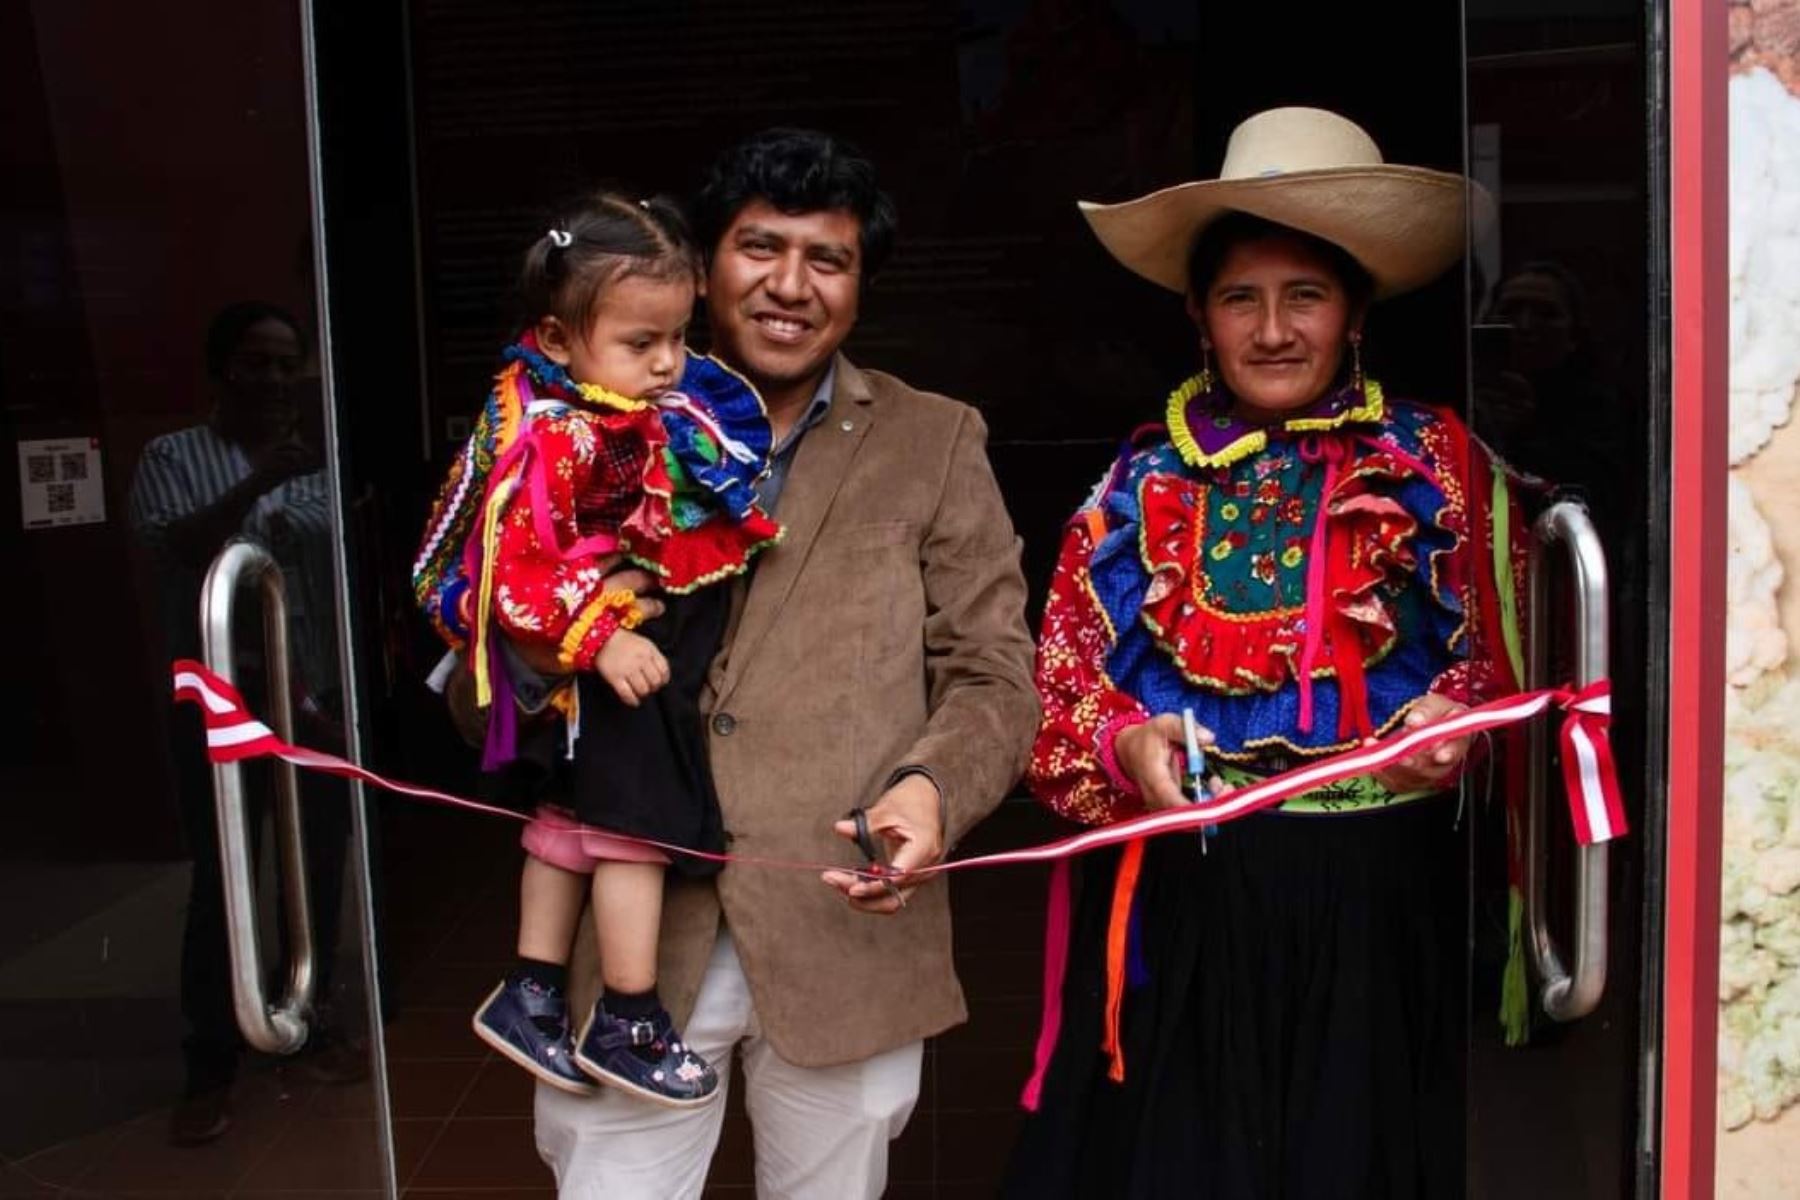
[1072, 768]
[1490, 574]
[543, 594]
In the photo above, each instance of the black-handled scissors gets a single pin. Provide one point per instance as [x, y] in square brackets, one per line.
[877, 871]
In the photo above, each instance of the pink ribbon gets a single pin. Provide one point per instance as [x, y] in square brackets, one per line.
[1332, 452]
[233, 734]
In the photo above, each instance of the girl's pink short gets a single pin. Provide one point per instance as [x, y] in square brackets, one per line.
[554, 836]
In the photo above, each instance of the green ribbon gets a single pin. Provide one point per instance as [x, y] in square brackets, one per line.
[1359, 794]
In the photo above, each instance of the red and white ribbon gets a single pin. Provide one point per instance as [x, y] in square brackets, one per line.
[1595, 805]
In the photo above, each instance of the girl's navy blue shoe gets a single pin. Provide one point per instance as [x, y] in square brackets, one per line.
[529, 1024]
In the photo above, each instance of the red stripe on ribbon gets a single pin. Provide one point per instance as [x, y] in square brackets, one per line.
[1595, 805]
[233, 734]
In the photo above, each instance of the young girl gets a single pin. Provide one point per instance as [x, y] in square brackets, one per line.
[603, 438]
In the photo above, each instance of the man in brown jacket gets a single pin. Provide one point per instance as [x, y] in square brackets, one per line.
[878, 657]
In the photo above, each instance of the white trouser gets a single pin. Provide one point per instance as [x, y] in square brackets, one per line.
[820, 1133]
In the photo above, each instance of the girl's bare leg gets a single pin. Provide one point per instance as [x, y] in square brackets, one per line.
[627, 920]
[550, 900]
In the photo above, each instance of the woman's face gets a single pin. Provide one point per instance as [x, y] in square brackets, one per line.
[1277, 318]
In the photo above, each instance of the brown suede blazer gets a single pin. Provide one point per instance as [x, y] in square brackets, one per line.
[886, 630]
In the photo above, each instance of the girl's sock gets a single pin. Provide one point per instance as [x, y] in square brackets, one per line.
[633, 1006]
[548, 976]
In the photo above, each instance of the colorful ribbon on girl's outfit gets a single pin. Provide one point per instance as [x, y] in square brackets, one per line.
[1596, 809]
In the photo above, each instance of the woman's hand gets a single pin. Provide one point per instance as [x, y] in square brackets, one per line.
[1432, 769]
[1151, 755]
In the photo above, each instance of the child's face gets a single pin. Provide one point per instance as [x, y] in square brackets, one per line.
[635, 344]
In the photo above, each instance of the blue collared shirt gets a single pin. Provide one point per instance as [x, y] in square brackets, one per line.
[781, 458]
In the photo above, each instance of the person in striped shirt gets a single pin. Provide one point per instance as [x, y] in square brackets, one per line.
[246, 471]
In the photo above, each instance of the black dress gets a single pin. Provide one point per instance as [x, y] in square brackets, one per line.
[644, 771]
[1300, 1030]
[640, 771]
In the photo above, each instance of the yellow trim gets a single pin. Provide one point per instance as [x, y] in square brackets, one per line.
[1084, 578]
[1245, 682]
[484, 607]
[728, 571]
[512, 408]
[1370, 410]
[1188, 446]
[622, 599]
[1196, 571]
[1175, 414]
[1249, 749]
[601, 397]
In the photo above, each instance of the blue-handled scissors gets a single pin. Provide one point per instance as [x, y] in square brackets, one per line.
[1194, 775]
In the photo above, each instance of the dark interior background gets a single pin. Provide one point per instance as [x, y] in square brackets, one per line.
[448, 127]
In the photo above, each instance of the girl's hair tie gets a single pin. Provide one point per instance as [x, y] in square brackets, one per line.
[562, 239]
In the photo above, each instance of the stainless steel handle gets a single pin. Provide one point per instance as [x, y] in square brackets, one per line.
[1566, 994]
[280, 1028]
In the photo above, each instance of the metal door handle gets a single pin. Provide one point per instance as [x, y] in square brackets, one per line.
[280, 1028]
[1567, 993]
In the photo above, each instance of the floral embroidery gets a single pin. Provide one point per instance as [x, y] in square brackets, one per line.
[601, 477]
[571, 595]
[517, 614]
[1142, 617]
[581, 437]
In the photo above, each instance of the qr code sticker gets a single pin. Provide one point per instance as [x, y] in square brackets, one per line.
[61, 497]
[74, 466]
[40, 468]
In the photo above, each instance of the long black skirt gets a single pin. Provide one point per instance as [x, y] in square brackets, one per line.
[640, 771]
[1300, 1030]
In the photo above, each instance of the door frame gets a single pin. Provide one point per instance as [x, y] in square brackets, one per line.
[1694, 33]
[350, 678]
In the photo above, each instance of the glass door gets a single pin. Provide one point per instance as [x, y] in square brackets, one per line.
[186, 976]
[1565, 341]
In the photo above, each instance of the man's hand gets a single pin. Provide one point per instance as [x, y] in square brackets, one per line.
[284, 460]
[632, 665]
[1433, 769]
[1152, 756]
[909, 821]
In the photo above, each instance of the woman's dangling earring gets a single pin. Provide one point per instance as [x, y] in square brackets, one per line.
[1206, 371]
[1356, 371]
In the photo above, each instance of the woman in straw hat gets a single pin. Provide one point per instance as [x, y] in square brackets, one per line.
[1275, 1009]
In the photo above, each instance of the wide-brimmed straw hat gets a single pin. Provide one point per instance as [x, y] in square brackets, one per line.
[1310, 170]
